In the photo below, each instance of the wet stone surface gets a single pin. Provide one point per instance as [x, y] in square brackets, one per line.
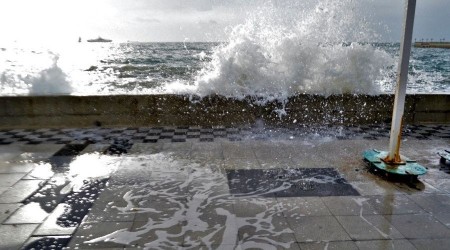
[288, 183]
[186, 133]
[48, 242]
[218, 188]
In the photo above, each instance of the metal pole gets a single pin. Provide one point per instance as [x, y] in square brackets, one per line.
[402, 78]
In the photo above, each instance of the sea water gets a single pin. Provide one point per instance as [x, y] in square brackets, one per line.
[325, 49]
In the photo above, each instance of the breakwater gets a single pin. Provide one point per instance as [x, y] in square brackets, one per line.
[183, 110]
[442, 45]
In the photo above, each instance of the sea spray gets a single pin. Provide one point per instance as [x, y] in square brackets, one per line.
[283, 48]
[50, 81]
[318, 51]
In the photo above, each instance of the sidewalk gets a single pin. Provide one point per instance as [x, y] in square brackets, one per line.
[219, 188]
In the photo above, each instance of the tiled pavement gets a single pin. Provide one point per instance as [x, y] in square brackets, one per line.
[183, 134]
[219, 188]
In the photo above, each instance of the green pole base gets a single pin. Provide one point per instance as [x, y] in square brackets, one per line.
[410, 168]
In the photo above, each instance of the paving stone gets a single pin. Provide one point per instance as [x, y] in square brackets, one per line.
[8, 153]
[146, 148]
[267, 163]
[30, 213]
[435, 244]
[51, 226]
[441, 184]
[159, 209]
[268, 151]
[394, 204]
[318, 228]
[294, 207]
[368, 227]
[374, 187]
[20, 191]
[7, 210]
[212, 189]
[253, 207]
[13, 167]
[241, 163]
[239, 150]
[432, 203]
[211, 230]
[385, 244]
[444, 218]
[418, 226]
[158, 235]
[177, 147]
[95, 148]
[282, 182]
[349, 205]
[113, 193]
[47, 242]
[37, 153]
[3, 189]
[7, 180]
[336, 245]
[12, 237]
[93, 231]
[265, 230]
[114, 211]
[418, 187]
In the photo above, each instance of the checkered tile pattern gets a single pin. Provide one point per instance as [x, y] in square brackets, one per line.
[208, 134]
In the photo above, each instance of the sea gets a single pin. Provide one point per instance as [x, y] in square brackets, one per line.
[271, 55]
[134, 68]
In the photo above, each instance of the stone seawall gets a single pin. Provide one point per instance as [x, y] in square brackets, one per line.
[179, 110]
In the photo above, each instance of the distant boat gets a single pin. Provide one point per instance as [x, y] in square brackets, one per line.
[79, 39]
[99, 40]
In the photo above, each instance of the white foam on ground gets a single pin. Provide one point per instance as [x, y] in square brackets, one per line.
[205, 208]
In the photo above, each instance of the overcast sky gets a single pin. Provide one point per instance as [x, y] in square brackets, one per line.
[185, 20]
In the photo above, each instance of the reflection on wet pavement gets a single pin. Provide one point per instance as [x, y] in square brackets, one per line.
[260, 193]
[288, 182]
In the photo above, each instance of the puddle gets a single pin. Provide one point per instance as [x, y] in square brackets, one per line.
[80, 202]
[76, 182]
[47, 242]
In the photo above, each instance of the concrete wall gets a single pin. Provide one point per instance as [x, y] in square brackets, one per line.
[178, 110]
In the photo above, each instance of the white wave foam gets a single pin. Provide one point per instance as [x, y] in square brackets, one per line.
[275, 56]
[50, 81]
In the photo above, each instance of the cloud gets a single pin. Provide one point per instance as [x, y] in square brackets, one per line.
[147, 20]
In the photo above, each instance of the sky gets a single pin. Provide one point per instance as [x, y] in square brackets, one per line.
[186, 20]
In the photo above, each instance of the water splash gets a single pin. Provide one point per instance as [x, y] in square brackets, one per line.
[50, 81]
[282, 49]
[318, 51]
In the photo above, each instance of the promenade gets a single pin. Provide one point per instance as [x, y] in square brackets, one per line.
[219, 188]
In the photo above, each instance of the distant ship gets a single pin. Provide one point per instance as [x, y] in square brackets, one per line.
[99, 40]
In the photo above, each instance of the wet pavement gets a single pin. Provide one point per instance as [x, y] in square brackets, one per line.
[219, 188]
